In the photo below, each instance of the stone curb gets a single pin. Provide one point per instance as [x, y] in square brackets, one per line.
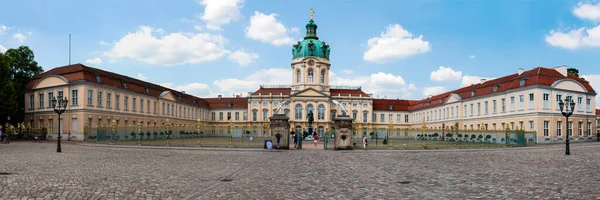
[176, 148]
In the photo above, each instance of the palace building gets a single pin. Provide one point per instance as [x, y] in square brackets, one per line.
[527, 99]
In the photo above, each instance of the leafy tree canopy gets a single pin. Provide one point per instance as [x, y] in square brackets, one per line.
[573, 71]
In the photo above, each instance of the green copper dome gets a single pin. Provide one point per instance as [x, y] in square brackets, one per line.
[311, 46]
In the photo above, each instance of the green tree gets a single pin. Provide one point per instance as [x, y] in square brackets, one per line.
[573, 71]
[17, 67]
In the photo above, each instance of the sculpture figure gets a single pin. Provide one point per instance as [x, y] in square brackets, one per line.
[344, 111]
[281, 106]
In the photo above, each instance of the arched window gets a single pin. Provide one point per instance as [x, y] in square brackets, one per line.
[298, 114]
[333, 114]
[298, 76]
[254, 114]
[354, 114]
[321, 130]
[265, 114]
[365, 116]
[321, 115]
[310, 107]
[310, 76]
[322, 76]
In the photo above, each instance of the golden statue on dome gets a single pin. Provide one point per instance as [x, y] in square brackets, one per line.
[312, 12]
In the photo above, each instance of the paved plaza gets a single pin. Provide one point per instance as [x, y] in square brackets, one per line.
[36, 171]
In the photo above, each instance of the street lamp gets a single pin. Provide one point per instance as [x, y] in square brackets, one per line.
[59, 107]
[567, 111]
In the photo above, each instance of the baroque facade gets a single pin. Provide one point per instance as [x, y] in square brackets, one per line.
[525, 100]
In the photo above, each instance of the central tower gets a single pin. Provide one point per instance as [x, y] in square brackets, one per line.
[310, 61]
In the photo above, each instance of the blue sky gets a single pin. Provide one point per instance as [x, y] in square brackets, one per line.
[393, 49]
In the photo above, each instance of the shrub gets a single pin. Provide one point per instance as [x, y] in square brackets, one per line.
[148, 134]
[448, 134]
[132, 136]
[459, 135]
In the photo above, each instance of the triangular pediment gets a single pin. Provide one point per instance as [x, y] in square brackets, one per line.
[167, 95]
[453, 98]
[310, 92]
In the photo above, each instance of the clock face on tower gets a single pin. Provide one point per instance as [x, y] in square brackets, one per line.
[311, 62]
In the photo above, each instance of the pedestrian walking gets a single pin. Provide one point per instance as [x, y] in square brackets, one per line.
[365, 142]
[295, 139]
[316, 137]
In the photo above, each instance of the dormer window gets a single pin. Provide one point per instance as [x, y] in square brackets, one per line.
[441, 100]
[495, 88]
[391, 107]
[229, 105]
[179, 97]
[147, 90]
[98, 78]
[522, 82]
[473, 93]
[124, 84]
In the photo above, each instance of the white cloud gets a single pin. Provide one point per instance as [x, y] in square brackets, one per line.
[196, 89]
[169, 50]
[472, 56]
[3, 28]
[394, 44]
[434, 90]
[220, 12]
[470, 80]
[594, 80]
[445, 74]
[272, 76]
[348, 71]
[94, 61]
[295, 29]
[103, 43]
[587, 11]
[142, 77]
[573, 39]
[243, 58]
[380, 84]
[20, 37]
[267, 29]
[2, 49]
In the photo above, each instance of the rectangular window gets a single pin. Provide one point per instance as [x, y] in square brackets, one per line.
[588, 104]
[212, 114]
[382, 117]
[254, 103]
[90, 98]
[41, 99]
[503, 105]
[148, 106]
[398, 118]
[570, 128]
[531, 100]
[126, 103]
[451, 112]
[141, 105]
[255, 113]
[31, 100]
[365, 116]
[133, 102]
[237, 116]
[546, 99]
[265, 103]
[406, 118]
[50, 98]
[51, 126]
[465, 111]
[163, 108]
[472, 110]
[99, 100]
[228, 115]
[580, 129]
[374, 117]
[512, 104]
[108, 98]
[521, 102]
[580, 104]
[74, 97]
[531, 128]
[172, 109]
[546, 127]
[456, 112]
[478, 109]
[155, 107]
[558, 128]
[60, 95]
[589, 129]
[558, 99]
[221, 116]
[245, 116]
[485, 108]
[391, 117]
[117, 101]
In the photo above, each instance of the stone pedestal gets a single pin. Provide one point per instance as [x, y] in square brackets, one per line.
[343, 132]
[280, 127]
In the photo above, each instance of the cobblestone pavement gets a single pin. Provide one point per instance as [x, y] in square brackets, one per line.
[36, 171]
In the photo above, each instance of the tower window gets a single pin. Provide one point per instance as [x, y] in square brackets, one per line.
[298, 76]
[322, 76]
[310, 76]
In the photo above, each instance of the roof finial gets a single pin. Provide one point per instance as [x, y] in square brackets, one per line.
[312, 12]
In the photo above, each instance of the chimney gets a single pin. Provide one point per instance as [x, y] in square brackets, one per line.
[183, 92]
[482, 81]
[219, 96]
[520, 71]
[237, 96]
[562, 70]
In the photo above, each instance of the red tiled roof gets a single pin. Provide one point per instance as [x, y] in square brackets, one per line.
[335, 92]
[397, 104]
[236, 102]
[274, 91]
[80, 72]
[597, 111]
[535, 76]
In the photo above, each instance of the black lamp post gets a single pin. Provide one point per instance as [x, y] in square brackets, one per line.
[59, 109]
[567, 111]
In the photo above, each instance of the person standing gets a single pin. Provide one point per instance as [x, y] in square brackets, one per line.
[316, 138]
[365, 142]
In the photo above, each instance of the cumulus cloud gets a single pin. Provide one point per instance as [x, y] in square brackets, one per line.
[470, 80]
[472, 56]
[434, 90]
[19, 37]
[3, 29]
[594, 80]
[2, 49]
[142, 77]
[267, 29]
[94, 61]
[379, 84]
[170, 49]
[220, 12]
[587, 11]
[272, 76]
[196, 89]
[394, 44]
[445, 74]
[348, 71]
[243, 58]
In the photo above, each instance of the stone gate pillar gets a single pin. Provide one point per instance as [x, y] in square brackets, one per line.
[343, 132]
[280, 126]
